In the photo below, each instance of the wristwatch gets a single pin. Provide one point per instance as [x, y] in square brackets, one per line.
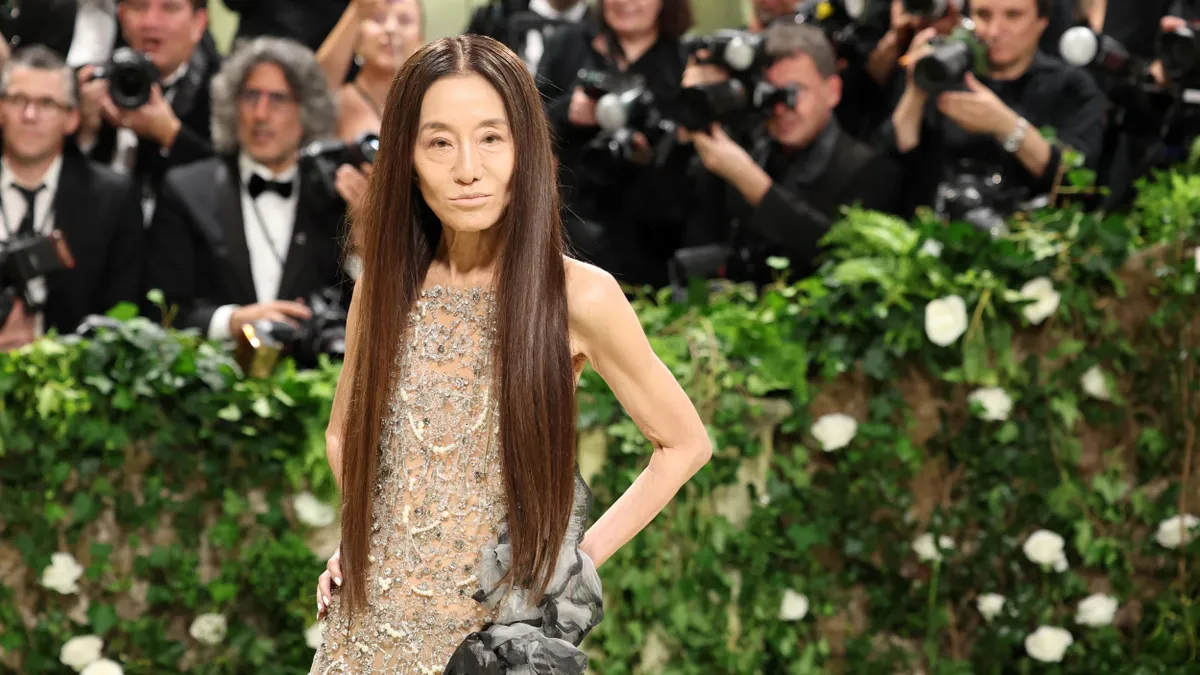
[1013, 141]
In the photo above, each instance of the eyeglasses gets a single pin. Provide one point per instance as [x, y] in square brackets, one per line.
[42, 105]
[275, 99]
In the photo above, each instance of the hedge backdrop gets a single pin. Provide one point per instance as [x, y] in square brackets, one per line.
[941, 454]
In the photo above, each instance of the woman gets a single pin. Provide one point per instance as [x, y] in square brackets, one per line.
[453, 428]
[379, 35]
[632, 212]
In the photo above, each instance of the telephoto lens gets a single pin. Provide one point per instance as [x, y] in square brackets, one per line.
[1180, 53]
[702, 105]
[943, 68]
[131, 76]
[1081, 46]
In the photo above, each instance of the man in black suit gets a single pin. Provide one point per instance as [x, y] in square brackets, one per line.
[43, 189]
[238, 237]
[780, 197]
[174, 127]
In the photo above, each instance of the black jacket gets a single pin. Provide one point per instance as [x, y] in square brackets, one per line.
[810, 187]
[197, 253]
[308, 22]
[45, 22]
[99, 214]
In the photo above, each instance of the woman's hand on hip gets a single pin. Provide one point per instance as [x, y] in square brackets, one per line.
[329, 579]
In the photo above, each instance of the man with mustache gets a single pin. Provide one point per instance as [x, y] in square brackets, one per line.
[239, 237]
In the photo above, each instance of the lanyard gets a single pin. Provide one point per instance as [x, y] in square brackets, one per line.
[262, 227]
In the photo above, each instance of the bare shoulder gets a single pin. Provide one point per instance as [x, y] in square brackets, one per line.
[595, 302]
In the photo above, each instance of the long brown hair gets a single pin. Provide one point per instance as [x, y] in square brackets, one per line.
[400, 235]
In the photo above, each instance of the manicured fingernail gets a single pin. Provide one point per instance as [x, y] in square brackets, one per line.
[337, 580]
[327, 600]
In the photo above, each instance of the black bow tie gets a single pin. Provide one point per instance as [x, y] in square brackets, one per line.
[259, 185]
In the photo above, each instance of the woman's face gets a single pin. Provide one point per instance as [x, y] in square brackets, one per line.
[631, 17]
[464, 152]
[389, 33]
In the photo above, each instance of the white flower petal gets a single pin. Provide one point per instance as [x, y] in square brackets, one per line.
[103, 667]
[1048, 644]
[81, 651]
[989, 605]
[1177, 531]
[1095, 384]
[996, 403]
[927, 551]
[1096, 609]
[1044, 299]
[314, 634]
[932, 248]
[62, 573]
[1045, 548]
[793, 607]
[209, 629]
[834, 431]
[312, 511]
[945, 320]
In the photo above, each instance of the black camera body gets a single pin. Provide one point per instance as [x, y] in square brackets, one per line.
[738, 50]
[952, 56]
[131, 76]
[1179, 51]
[929, 10]
[625, 106]
[746, 97]
[978, 196]
[26, 258]
[319, 160]
[262, 343]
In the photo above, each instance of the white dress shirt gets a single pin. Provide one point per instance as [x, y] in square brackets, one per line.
[267, 241]
[15, 207]
[125, 154]
[535, 43]
[95, 33]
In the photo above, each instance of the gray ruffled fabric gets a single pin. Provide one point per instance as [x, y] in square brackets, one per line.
[541, 640]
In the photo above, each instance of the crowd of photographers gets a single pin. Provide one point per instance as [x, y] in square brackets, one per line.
[135, 157]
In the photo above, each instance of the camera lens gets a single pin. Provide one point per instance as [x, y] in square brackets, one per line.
[1180, 52]
[701, 106]
[943, 68]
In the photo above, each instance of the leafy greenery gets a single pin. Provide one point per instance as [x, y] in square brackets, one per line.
[169, 477]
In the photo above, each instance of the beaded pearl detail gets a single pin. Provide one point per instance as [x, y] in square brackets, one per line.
[438, 499]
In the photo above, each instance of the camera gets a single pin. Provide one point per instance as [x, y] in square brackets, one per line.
[952, 57]
[26, 258]
[839, 21]
[1180, 53]
[1083, 47]
[738, 50]
[625, 107]
[131, 76]
[319, 160]
[729, 102]
[261, 344]
[978, 196]
[929, 10]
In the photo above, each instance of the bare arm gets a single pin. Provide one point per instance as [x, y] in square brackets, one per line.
[337, 51]
[335, 432]
[613, 340]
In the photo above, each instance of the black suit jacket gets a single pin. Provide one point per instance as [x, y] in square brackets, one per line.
[197, 253]
[193, 106]
[797, 211]
[99, 214]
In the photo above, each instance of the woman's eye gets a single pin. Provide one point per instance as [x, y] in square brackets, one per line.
[491, 138]
[440, 143]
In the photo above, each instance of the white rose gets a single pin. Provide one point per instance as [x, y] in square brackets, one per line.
[62, 573]
[1045, 300]
[103, 667]
[1046, 548]
[927, 551]
[1048, 644]
[793, 607]
[932, 248]
[1177, 531]
[995, 401]
[1095, 384]
[81, 651]
[312, 511]
[314, 635]
[834, 431]
[1096, 609]
[989, 605]
[945, 320]
[209, 629]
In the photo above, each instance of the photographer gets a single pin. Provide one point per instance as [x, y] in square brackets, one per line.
[172, 127]
[527, 26]
[625, 216]
[993, 121]
[783, 196]
[239, 237]
[48, 192]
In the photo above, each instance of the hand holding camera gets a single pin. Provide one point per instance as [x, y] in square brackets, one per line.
[282, 311]
[18, 329]
[350, 182]
[126, 93]
[582, 110]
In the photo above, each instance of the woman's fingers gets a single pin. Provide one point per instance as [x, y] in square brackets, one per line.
[324, 593]
[334, 566]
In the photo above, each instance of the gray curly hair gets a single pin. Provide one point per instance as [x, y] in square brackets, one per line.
[318, 111]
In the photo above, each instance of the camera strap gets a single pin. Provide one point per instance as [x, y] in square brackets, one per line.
[280, 258]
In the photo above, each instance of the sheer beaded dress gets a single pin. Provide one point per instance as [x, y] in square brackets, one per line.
[438, 536]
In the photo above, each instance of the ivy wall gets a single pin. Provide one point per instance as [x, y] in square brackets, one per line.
[942, 454]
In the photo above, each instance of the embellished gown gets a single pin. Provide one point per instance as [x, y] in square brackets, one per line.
[439, 542]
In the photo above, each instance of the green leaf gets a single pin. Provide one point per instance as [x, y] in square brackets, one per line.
[230, 413]
[102, 617]
[123, 311]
